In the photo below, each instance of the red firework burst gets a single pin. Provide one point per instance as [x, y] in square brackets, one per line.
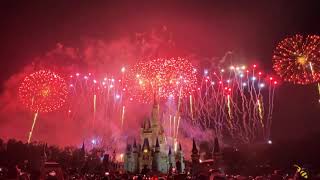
[43, 91]
[297, 59]
[173, 77]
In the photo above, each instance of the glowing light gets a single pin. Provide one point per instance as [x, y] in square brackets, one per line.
[269, 142]
[94, 142]
[261, 85]
[123, 69]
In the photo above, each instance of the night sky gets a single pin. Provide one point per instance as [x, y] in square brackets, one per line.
[207, 28]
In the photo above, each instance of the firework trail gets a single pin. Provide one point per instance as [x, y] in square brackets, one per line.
[231, 102]
[99, 98]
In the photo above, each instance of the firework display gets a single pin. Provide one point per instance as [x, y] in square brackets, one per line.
[165, 77]
[235, 102]
[98, 99]
[297, 59]
[42, 91]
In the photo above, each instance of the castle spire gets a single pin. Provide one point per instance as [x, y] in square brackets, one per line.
[145, 145]
[157, 143]
[194, 147]
[216, 148]
[134, 143]
[155, 111]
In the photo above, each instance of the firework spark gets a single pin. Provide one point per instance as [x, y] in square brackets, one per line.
[297, 59]
[173, 77]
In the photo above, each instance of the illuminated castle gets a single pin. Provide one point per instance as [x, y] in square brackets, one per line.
[154, 154]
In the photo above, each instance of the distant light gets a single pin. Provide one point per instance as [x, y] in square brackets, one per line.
[111, 86]
[131, 99]
[244, 84]
[117, 96]
[269, 142]
[94, 81]
[212, 83]
[77, 74]
[85, 77]
[254, 78]
[123, 69]
[222, 70]
[200, 160]
[259, 73]
[228, 81]
[71, 85]
[71, 76]
[232, 67]
[205, 71]
[241, 75]
[106, 173]
[243, 67]
[89, 74]
[262, 85]
[69, 111]
[270, 78]
[254, 65]
[105, 79]
[93, 141]
[275, 82]
[112, 80]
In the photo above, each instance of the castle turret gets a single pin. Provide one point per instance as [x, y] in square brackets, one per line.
[146, 156]
[156, 161]
[155, 112]
[128, 159]
[217, 155]
[195, 157]
[171, 159]
[180, 160]
[135, 157]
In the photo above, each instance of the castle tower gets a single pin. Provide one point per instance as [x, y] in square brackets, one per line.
[155, 112]
[135, 157]
[180, 160]
[146, 156]
[195, 157]
[217, 155]
[156, 161]
[171, 160]
[128, 159]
